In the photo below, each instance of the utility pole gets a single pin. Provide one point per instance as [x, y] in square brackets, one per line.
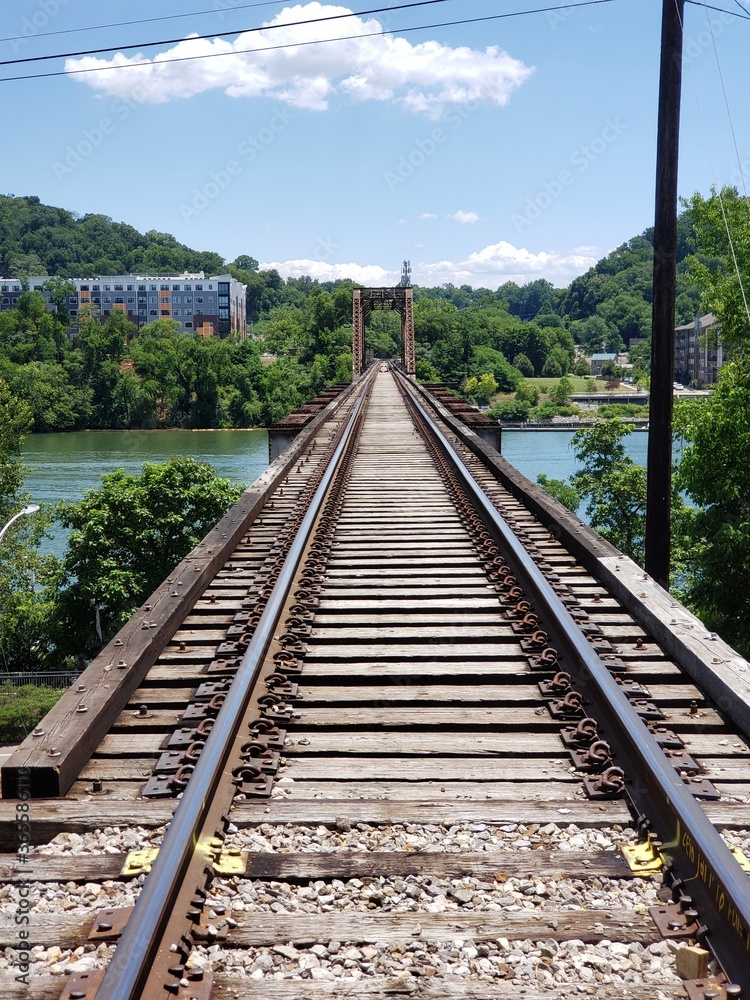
[659, 484]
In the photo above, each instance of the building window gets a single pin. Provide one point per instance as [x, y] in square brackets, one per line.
[107, 288]
[188, 326]
[188, 288]
[175, 312]
[152, 288]
[164, 288]
[199, 299]
[84, 288]
[152, 299]
[141, 288]
[175, 288]
[119, 288]
[153, 312]
[176, 298]
[96, 288]
[131, 298]
[199, 288]
[131, 288]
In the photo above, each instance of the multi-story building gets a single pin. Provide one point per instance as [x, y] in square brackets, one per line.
[698, 351]
[213, 306]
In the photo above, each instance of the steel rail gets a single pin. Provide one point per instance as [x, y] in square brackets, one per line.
[136, 950]
[707, 868]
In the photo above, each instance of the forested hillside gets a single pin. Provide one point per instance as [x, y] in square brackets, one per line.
[301, 329]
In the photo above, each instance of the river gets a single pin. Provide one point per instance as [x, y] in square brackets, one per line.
[64, 465]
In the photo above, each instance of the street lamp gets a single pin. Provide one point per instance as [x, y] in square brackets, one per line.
[30, 508]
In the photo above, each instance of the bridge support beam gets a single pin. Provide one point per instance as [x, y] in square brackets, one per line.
[364, 300]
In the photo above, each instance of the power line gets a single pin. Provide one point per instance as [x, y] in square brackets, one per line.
[296, 45]
[216, 34]
[722, 10]
[141, 20]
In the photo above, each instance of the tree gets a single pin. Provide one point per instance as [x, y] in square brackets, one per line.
[562, 392]
[125, 538]
[715, 473]
[716, 273]
[582, 368]
[524, 365]
[527, 392]
[552, 368]
[564, 492]
[24, 606]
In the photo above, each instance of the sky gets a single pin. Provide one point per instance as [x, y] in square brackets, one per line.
[510, 148]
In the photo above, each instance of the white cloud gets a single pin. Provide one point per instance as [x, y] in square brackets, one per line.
[402, 222]
[363, 274]
[428, 216]
[425, 77]
[487, 268]
[464, 218]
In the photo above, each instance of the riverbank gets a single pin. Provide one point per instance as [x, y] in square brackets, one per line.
[565, 424]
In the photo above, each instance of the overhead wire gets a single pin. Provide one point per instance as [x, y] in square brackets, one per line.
[722, 10]
[217, 34]
[295, 45]
[144, 20]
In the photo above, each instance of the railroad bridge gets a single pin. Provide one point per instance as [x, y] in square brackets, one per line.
[395, 672]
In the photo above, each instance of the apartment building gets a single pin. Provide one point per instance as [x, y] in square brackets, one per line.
[698, 351]
[208, 306]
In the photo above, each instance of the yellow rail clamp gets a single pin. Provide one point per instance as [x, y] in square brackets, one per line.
[231, 862]
[139, 862]
[741, 858]
[643, 859]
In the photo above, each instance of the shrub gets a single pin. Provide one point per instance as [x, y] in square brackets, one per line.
[21, 709]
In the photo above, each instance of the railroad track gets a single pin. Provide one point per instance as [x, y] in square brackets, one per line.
[408, 719]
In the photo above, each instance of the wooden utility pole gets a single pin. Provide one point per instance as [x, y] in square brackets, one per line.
[659, 487]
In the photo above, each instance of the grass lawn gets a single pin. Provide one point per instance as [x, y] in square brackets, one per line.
[579, 384]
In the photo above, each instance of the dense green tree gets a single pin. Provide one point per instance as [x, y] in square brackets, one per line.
[722, 274]
[715, 473]
[125, 538]
[552, 368]
[524, 365]
[24, 607]
[561, 392]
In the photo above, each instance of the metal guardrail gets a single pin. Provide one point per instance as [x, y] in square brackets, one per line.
[48, 679]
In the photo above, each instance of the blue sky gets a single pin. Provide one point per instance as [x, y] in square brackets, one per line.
[508, 149]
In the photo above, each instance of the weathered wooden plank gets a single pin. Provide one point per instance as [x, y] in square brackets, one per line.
[311, 741]
[68, 930]
[433, 790]
[405, 690]
[434, 989]
[405, 651]
[49, 817]
[48, 987]
[507, 718]
[301, 867]
[437, 769]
